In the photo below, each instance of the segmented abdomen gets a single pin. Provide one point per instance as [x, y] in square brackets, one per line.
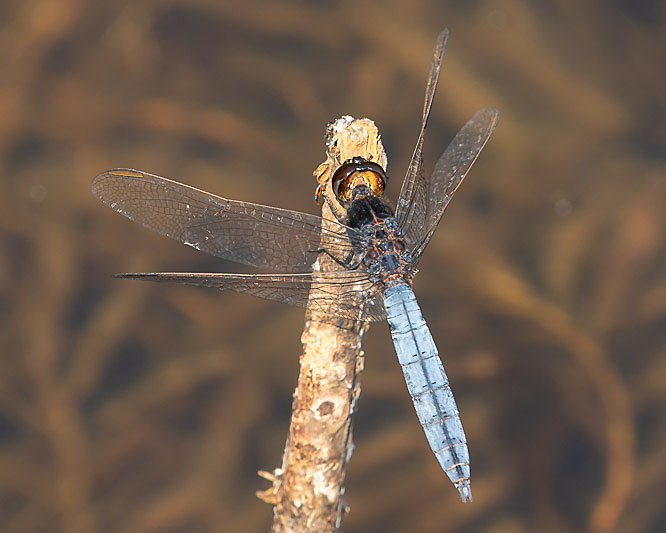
[428, 385]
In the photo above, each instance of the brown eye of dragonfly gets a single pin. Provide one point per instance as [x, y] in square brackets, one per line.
[355, 172]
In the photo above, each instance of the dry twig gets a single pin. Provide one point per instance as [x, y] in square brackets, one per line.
[308, 489]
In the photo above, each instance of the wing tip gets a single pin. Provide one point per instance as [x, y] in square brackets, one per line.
[491, 110]
[488, 116]
[113, 173]
[124, 172]
[136, 275]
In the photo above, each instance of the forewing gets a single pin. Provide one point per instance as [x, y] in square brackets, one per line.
[252, 234]
[451, 169]
[346, 294]
[412, 205]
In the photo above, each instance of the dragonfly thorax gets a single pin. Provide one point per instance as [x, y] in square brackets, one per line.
[385, 255]
[366, 208]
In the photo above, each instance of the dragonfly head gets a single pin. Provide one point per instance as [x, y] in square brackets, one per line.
[358, 173]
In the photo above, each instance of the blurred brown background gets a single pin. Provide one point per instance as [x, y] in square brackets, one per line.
[136, 407]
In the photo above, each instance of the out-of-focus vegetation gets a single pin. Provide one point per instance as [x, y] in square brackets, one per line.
[137, 407]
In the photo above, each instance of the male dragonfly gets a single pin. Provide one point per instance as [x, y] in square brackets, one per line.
[377, 252]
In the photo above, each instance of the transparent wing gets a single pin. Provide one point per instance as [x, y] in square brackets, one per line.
[451, 169]
[412, 206]
[251, 234]
[347, 294]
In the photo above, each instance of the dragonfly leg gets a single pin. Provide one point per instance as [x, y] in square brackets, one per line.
[338, 212]
[350, 262]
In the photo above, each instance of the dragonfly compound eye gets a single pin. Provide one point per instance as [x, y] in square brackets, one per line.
[356, 172]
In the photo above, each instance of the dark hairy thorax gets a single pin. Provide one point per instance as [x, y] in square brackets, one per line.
[385, 254]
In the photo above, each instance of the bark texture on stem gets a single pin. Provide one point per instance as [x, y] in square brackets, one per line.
[308, 489]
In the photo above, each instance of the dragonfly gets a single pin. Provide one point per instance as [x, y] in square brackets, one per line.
[376, 250]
